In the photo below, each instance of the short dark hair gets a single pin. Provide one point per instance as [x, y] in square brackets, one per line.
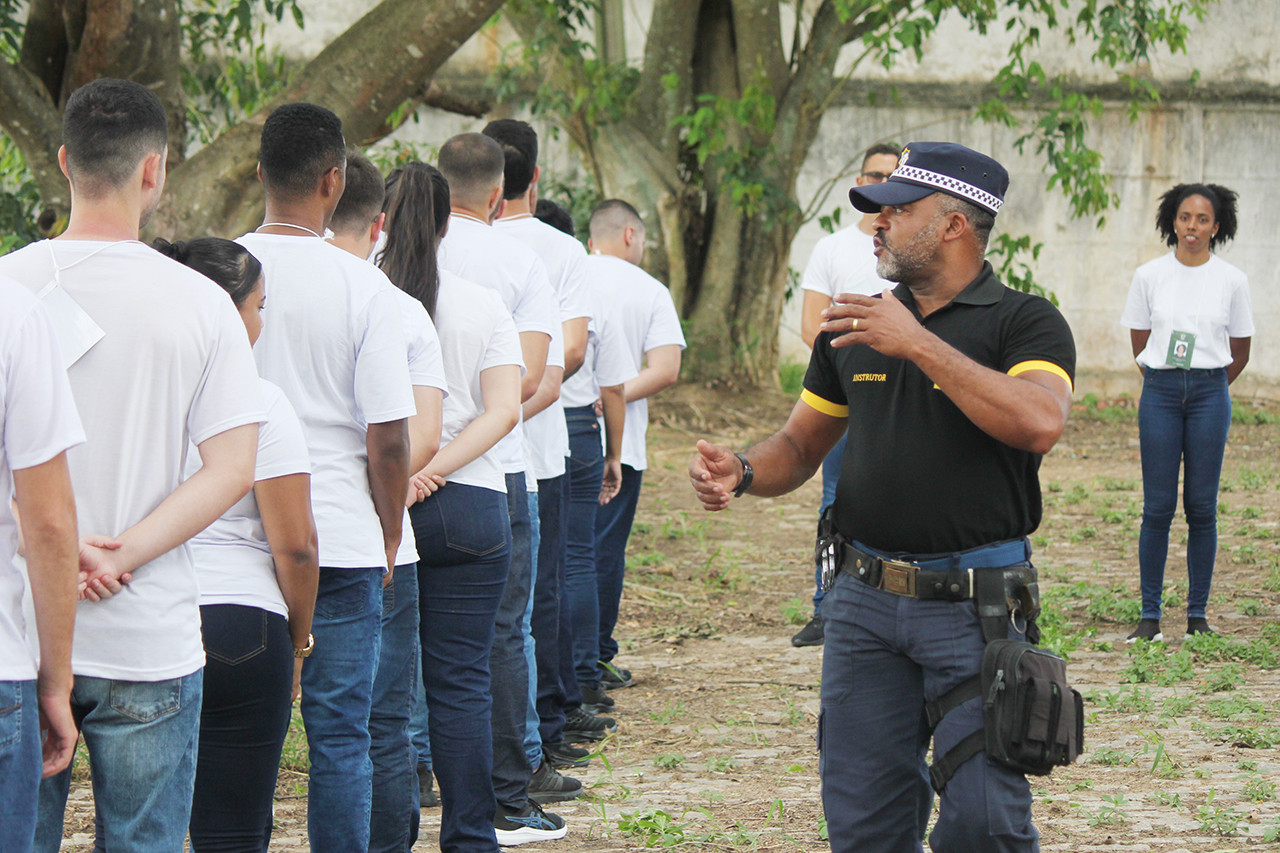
[519, 143]
[417, 208]
[980, 219]
[611, 216]
[473, 164]
[108, 127]
[555, 216]
[227, 264]
[300, 143]
[1222, 200]
[882, 148]
[362, 199]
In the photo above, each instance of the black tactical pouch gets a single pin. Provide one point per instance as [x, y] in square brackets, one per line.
[826, 551]
[1033, 720]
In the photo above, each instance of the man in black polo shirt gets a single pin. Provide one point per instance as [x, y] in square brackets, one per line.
[950, 387]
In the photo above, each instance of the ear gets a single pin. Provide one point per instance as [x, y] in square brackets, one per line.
[629, 235]
[958, 225]
[379, 222]
[590, 246]
[153, 171]
[502, 208]
[331, 184]
[62, 161]
[258, 171]
[495, 196]
[537, 172]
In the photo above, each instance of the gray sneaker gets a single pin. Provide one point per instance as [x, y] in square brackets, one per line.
[549, 786]
[809, 635]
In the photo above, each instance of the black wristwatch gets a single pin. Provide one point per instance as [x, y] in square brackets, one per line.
[748, 474]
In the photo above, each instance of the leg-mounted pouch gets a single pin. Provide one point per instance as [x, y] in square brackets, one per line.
[826, 552]
[1032, 718]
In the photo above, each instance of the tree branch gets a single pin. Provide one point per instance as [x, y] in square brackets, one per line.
[356, 76]
[32, 121]
[757, 26]
[668, 49]
[44, 43]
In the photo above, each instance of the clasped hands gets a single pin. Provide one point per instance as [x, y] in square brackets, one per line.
[102, 571]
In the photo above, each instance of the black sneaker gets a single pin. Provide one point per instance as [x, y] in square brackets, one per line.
[427, 798]
[1199, 625]
[548, 786]
[595, 700]
[565, 754]
[582, 726]
[614, 677]
[531, 824]
[1148, 629]
[809, 635]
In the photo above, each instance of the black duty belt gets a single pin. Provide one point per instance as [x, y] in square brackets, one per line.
[905, 578]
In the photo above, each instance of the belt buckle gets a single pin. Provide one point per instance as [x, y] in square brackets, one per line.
[898, 577]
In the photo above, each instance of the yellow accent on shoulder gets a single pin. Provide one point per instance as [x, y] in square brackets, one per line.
[1046, 366]
[827, 407]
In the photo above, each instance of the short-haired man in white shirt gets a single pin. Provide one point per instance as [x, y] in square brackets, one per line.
[650, 327]
[38, 423]
[356, 225]
[473, 249]
[334, 343]
[157, 358]
[843, 262]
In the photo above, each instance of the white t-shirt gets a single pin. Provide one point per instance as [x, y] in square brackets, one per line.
[426, 369]
[647, 319]
[546, 434]
[173, 369]
[844, 262]
[1210, 301]
[38, 421]
[232, 557]
[334, 343]
[476, 333]
[492, 258]
[606, 362]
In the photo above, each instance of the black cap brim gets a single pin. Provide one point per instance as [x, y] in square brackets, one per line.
[871, 198]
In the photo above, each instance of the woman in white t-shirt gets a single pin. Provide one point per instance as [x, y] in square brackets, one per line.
[1190, 325]
[458, 503]
[257, 568]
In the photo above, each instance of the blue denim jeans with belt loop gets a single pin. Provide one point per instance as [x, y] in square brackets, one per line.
[20, 761]
[394, 814]
[1183, 420]
[507, 663]
[532, 738]
[885, 656]
[613, 529]
[142, 738]
[581, 596]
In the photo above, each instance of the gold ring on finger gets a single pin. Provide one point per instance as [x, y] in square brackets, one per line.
[855, 324]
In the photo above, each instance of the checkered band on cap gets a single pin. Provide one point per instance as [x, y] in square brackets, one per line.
[951, 185]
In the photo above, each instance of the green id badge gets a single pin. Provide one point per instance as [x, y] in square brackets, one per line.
[1181, 345]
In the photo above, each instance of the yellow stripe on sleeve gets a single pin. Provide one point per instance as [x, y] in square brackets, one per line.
[827, 407]
[1046, 366]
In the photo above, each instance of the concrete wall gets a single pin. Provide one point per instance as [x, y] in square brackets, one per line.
[1226, 131]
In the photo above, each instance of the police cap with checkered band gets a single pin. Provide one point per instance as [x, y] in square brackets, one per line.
[928, 167]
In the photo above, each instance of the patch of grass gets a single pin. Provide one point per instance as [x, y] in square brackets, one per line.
[797, 611]
[674, 710]
[1233, 707]
[1176, 706]
[1109, 757]
[1227, 677]
[668, 760]
[1126, 700]
[1110, 813]
[1258, 790]
[791, 376]
[1164, 798]
[295, 756]
[722, 764]
[1244, 737]
[1216, 820]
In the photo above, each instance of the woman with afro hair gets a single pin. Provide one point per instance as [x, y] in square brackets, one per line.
[1190, 325]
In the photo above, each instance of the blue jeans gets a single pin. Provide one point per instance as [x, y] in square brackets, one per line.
[885, 656]
[337, 691]
[581, 597]
[462, 573]
[532, 739]
[142, 738]
[1183, 419]
[507, 665]
[20, 761]
[613, 528]
[830, 477]
[244, 718]
[548, 588]
[394, 812]
[419, 721]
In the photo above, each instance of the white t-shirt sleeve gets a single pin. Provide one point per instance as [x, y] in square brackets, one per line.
[383, 391]
[1137, 308]
[282, 447]
[40, 418]
[537, 309]
[426, 365]
[817, 273]
[614, 365]
[664, 323]
[227, 395]
[503, 346]
[1240, 316]
[574, 297]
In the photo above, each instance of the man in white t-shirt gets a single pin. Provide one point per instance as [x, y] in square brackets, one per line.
[546, 449]
[157, 358]
[650, 326]
[473, 249]
[356, 225]
[843, 262]
[334, 342]
[38, 423]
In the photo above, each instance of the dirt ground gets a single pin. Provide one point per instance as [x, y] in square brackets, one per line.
[717, 748]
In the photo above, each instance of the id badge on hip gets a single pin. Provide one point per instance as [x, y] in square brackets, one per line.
[1181, 346]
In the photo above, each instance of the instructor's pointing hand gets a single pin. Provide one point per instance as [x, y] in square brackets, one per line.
[715, 473]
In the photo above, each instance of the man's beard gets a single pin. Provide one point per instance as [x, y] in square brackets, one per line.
[904, 263]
